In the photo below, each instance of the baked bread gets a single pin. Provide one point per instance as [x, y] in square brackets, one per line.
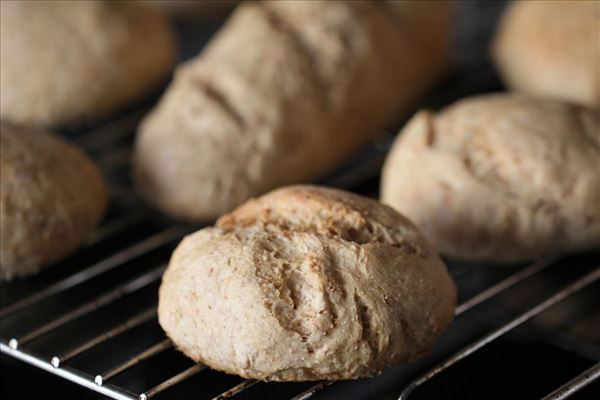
[306, 283]
[284, 92]
[51, 196]
[67, 61]
[551, 49]
[499, 178]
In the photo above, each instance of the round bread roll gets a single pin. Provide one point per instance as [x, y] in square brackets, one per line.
[499, 178]
[283, 93]
[51, 197]
[306, 283]
[552, 49]
[66, 61]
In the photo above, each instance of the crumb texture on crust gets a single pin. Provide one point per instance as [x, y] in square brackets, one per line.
[64, 62]
[245, 117]
[551, 49]
[51, 197]
[306, 283]
[499, 178]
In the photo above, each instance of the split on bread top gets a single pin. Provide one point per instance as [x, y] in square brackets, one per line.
[306, 283]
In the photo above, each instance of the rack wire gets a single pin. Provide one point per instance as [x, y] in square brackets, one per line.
[101, 380]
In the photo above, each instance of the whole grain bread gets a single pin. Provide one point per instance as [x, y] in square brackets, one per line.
[499, 178]
[65, 62]
[51, 197]
[283, 93]
[551, 49]
[306, 283]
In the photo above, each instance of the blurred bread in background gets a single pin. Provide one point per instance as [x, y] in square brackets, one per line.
[283, 93]
[552, 49]
[499, 178]
[51, 196]
[66, 61]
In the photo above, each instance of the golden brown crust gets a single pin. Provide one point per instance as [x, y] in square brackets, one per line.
[67, 61]
[551, 49]
[243, 117]
[306, 283]
[499, 178]
[51, 197]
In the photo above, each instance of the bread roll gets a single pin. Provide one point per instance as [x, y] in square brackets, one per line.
[66, 61]
[284, 92]
[552, 49]
[51, 197]
[306, 283]
[499, 178]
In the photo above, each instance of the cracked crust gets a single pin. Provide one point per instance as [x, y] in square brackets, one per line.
[243, 118]
[306, 283]
[51, 197]
[499, 178]
[65, 62]
[551, 49]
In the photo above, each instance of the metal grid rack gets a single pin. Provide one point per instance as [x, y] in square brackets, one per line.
[69, 320]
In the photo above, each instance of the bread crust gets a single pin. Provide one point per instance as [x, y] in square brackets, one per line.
[306, 283]
[499, 178]
[51, 197]
[282, 94]
[551, 49]
[66, 62]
